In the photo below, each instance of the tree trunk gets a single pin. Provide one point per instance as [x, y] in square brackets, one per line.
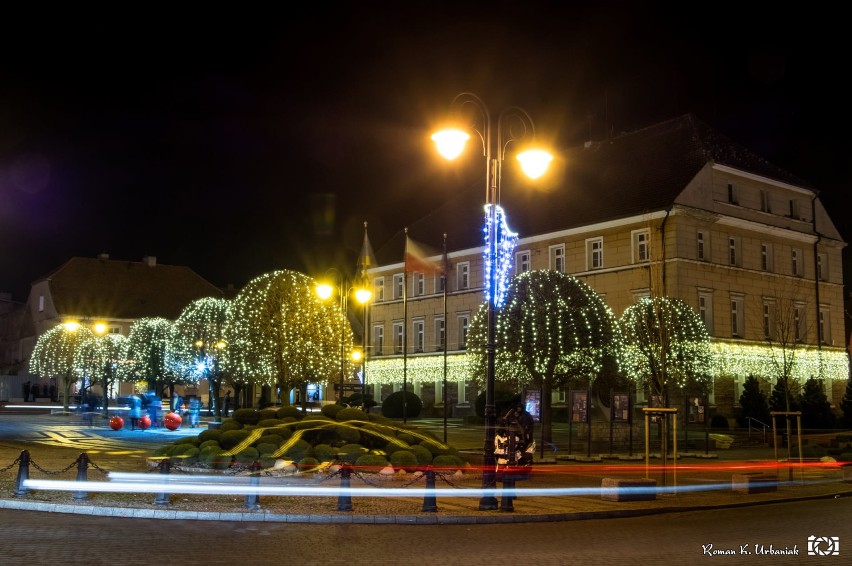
[546, 411]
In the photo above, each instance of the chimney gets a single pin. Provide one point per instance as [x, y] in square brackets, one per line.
[150, 260]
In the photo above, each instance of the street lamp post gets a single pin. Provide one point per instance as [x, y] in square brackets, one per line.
[534, 162]
[344, 288]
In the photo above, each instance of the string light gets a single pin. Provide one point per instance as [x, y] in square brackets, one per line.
[506, 240]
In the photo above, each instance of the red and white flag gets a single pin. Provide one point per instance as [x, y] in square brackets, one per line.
[420, 258]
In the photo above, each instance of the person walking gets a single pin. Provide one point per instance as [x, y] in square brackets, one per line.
[194, 412]
[26, 387]
[135, 412]
[226, 404]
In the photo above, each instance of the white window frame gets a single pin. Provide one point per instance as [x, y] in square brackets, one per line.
[796, 266]
[440, 334]
[398, 337]
[556, 254]
[378, 289]
[640, 244]
[440, 281]
[702, 243]
[594, 253]
[737, 316]
[418, 284]
[398, 286]
[799, 322]
[705, 308]
[523, 262]
[769, 310]
[463, 327]
[733, 251]
[418, 332]
[463, 275]
[378, 339]
[767, 260]
[825, 326]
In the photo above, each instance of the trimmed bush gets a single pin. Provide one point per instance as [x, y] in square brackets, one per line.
[246, 416]
[230, 424]
[231, 438]
[208, 444]
[308, 464]
[396, 444]
[210, 434]
[269, 423]
[404, 460]
[407, 438]
[371, 462]
[284, 432]
[267, 461]
[350, 453]
[348, 434]
[218, 460]
[248, 456]
[266, 414]
[325, 453]
[392, 406]
[289, 412]
[359, 400]
[449, 461]
[351, 414]
[300, 449]
[331, 410]
[423, 455]
[275, 439]
[188, 457]
[266, 448]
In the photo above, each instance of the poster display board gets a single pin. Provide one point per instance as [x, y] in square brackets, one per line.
[579, 406]
[696, 410]
[532, 403]
[620, 407]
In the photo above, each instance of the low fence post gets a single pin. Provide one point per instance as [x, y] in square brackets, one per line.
[507, 504]
[82, 475]
[23, 473]
[344, 500]
[162, 499]
[253, 499]
[430, 504]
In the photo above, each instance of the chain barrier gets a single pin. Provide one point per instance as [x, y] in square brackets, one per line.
[10, 466]
[50, 473]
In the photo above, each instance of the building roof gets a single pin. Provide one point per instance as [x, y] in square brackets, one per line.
[633, 173]
[97, 287]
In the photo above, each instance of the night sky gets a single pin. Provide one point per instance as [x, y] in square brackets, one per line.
[241, 141]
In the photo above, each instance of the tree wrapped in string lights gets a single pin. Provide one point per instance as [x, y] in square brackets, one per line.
[101, 359]
[666, 345]
[55, 353]
[281, 334]
[147, 342]
[551, 330]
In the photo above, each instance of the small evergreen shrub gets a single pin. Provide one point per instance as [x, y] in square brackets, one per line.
[392, 406]
[246, 416]
[266, 448]
[371, 462]
[269, 423]
[273, 439]
[404, 460]
[407, 438]
[267, 461]
[423, 455]
[208, 444]
[247, 457]
[231, 438]
[449, 462]
[325, 453]
[230, 424]
[300, 449]
[331, 410]
[210, 434]
[308, 464]
[349, 453]
[350, 414]
[265, 414]
[289, 411]
[348, 434]
[188, 457]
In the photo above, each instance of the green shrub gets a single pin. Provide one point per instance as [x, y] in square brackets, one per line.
[267, 461]
[210, 434]
[325, 452]
[269, 423]
[300, 449]
[351, 414]
[231, 438]
[308, 464]
[349, 453]
[380, 419]
[289, 412]
[266, 448]
[187, 457]
[423, 455]
[407, 438]
[246, 416]
[719, 422]
[230, 424]
[348, 434]
[275, 439]
[247, 457]
[193, 440]
[266, 414]
[371, 462]
[208, 444]
[359, 400]
[404, 460]
[284, 432]
[331, 410]
[449, 462]
[218, 460]
[395, 444]
[374, 435]
[392, 406]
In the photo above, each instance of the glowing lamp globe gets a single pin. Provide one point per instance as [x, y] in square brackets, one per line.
[172, 421]
[116, 423]
[144, 422]
[534, 162]
[450, 143]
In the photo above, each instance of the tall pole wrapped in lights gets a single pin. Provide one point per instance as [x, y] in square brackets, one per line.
[499, 239]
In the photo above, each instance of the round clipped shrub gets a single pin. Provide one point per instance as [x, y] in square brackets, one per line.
[284, 432]
[205, 452]
[371, 462]
[267, 460]
[191, 440]
[218, 460]
[358, 400]
[348, 434]
[325, 453]
[380, 419]
[308, 464]
[404, 460]
[423, 455]
[395, 444]
[265, 414]
[289, 412]
[266, 448]
[350, 414]
[275, 439]
[210, 434]
[436, 448]
[448, 462]
[349, 453]
[247, 457]
[187, 457]
[269, 423]
[246, 416]
[407, 438]
[230, 424]
[392, 406]
[231, 438]
[208, 444]
[300, 449]
[331, 410]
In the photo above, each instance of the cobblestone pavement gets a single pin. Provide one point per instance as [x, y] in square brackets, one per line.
[700, 481]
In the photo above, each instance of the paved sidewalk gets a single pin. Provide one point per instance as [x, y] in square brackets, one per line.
[560, 489]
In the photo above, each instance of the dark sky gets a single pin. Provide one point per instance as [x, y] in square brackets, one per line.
[250, 139]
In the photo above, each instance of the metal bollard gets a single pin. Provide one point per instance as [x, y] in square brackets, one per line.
[344, 500]
[430, 504]
[253, 499]
[162, 499]
[82, 471]
[23, 474]
[507, 501]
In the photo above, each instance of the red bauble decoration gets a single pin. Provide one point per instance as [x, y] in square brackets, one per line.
[172, 421]
[116, 423]
[144, 422]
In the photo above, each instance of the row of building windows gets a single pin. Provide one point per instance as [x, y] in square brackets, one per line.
[418, 336]
[767, 202]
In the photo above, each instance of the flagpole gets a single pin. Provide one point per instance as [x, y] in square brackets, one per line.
[446, 284]
[365, 282]
[405, 328]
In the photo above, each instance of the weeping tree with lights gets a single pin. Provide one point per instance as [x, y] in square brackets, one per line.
[666, 345]
[281, 334]
[198, 349]
[101, 358]
[552, 329]
[146, 351]
[55, 353]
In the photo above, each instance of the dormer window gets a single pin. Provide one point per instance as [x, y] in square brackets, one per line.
[732, 196]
